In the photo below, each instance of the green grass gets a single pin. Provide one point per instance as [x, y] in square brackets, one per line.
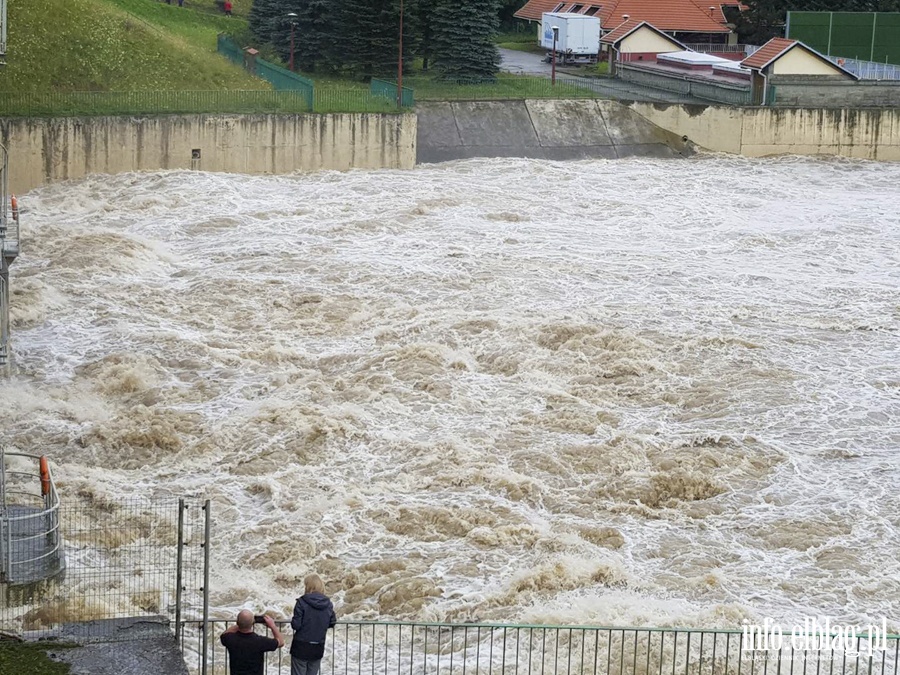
[30, 658]
[517, 36]
[531, 47]
[115, 45]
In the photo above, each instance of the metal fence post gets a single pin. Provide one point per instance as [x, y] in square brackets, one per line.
[206, 546]
[178, 571]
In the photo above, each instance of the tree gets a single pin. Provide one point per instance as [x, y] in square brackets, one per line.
[462, 46]
[369, 35]
[313, 33]
[262, 19]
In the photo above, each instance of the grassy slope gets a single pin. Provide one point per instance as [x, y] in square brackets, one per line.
[115, 45]
[29, 659]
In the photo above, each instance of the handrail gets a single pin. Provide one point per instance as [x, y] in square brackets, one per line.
[533, 626]
[47, 521]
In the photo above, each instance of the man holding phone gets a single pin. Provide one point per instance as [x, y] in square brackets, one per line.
[246, 648]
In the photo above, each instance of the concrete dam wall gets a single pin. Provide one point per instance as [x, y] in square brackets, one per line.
[867, 133]
[47, 150]
[544, 129]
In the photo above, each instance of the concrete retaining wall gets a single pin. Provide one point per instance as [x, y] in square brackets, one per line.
[45, 150]
[758, 132]
[836, 94]
[541, 129]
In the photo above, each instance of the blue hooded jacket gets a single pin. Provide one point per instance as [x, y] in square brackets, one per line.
[313, 616]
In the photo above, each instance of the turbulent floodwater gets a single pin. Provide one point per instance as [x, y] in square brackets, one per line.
[629, 392]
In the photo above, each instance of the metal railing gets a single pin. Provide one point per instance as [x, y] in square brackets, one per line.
[9, 226]
[389, 91]
[357, 647]
[30, 542]
[511, 87]
[687, 86]
[86, 104]
[868, 70]
[138, 563]
[711, 48]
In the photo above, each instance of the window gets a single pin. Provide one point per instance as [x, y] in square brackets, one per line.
[559, 7]
[592, 10]
[576, 8]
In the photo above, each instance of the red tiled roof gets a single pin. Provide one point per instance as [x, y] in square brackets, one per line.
[690, 16]
[768, 53]
[622, 30]
[628, 27]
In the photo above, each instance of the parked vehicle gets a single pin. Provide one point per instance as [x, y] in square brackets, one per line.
[578, 39]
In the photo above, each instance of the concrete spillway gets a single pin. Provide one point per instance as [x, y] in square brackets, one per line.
[544, 129]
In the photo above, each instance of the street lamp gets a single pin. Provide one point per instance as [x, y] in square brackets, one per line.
[400, 62]
[292, 18]
[555, 30]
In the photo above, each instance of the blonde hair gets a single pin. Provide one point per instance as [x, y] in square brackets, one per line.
[314, 584]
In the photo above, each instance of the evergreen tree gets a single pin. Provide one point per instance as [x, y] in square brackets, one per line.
[368, 36]
[463, 30]
[263, 18]
[313, 33]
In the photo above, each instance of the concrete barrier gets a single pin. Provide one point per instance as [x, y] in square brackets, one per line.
[868, 133]
[543, 129]
[46, 150]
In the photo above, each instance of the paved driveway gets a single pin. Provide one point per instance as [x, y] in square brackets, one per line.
[528, 63]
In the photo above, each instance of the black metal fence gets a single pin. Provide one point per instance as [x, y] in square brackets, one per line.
[419, 648]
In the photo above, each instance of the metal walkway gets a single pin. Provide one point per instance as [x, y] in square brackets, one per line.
[31, 549]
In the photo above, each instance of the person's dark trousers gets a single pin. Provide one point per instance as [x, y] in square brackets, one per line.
[299, 667]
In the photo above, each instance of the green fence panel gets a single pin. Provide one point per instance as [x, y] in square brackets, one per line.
[867, 36]
[91, 103]
[280, 78]
[389, 91]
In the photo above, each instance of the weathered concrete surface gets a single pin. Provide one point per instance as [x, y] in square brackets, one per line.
[46, 150]
[760, 132]
[136, 646]
[542, 129]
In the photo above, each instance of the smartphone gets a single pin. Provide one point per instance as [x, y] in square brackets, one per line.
[259, 618]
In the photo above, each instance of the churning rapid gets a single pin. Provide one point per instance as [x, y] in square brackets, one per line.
[634, 392]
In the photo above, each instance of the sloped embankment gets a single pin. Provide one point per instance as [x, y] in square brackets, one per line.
[556, 129]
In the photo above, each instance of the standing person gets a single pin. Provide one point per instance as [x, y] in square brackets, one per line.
[246, 648]
[227, 7]
[313, 616]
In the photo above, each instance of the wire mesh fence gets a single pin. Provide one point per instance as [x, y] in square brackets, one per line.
[359, 648]
[124, 559]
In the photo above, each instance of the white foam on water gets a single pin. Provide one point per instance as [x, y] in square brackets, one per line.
[628, 392]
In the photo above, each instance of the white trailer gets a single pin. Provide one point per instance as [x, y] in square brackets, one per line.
[578, 40]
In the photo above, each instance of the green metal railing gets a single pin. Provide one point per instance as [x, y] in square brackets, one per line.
[92, 103]
[357, 647]
[389, 91]
[280, 78]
